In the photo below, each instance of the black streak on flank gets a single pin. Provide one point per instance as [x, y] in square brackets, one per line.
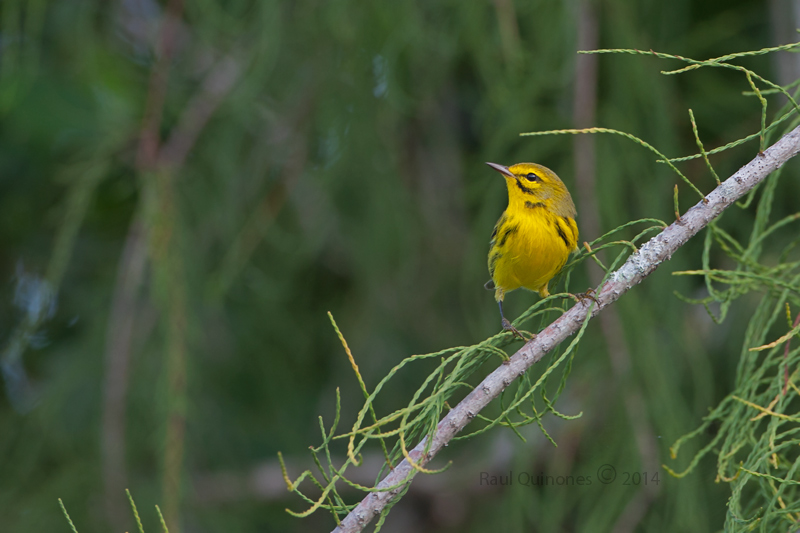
[562, 235]
[571, 228]
[531, 205]
[523, 188]
[507, 233]
[492, 262]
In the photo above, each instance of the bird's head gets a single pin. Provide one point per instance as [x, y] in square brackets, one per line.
[529, 182]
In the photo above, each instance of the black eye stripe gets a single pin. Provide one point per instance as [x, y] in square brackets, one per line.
[523, 188]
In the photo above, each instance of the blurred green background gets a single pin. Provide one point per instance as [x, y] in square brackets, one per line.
[186, 188]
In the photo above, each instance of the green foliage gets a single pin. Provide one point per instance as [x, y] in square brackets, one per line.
[66, 515]
[752, 449]
[343, 171]
[756, 432]
[133, 508]
[446, 384]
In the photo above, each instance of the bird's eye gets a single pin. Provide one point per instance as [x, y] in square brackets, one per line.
[532, 177]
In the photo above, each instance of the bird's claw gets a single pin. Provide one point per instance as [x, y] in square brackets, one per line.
[590, 294]
[508, 327]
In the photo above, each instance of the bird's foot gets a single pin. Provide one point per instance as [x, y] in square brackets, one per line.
[508, 327]
[590, 294]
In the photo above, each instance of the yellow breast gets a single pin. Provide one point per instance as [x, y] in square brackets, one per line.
[529, 248]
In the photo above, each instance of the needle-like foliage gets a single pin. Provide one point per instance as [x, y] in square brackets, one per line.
[756, 427]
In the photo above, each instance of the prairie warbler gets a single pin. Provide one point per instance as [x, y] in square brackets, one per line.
[534, 236]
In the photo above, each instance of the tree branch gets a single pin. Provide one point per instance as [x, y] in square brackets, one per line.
[118, 349]
[638, 266]
[216, 86]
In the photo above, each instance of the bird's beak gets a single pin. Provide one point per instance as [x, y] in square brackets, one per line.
[502, 170]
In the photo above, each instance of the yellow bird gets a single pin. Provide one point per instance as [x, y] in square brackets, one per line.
[535, 235]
